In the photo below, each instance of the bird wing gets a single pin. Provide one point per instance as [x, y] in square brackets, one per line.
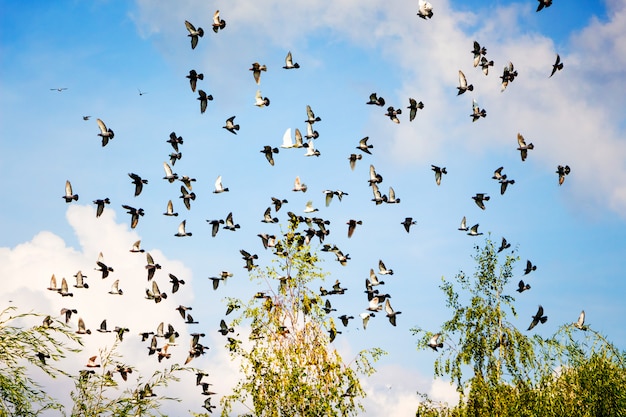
[462, 80]
[68, 188]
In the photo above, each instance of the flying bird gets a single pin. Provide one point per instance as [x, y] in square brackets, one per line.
[193, 79]
[497, 174]
[378, 197]
[425, 10]
[353, 158]
[363, 146]
[181, 230]
[289, 64]
[463, 227]
[170, 176]
[134, 214]
[391, 314]
[269, 151]
[100, 205]
[352, 225]
[102, 267]
[69, 195]
[562, 171]
[298, 185]
[115, 288]
[105, 133]
[474, 231]
[170, 209]
[521, 286]
[478, 51]
[59, 89]
[382, 270]
[393, 114]
[522, 147]
[479, 199]
[261, 101]
[391, 198]
[374, 177]
[187, 196]
[504, 245]
[204, 99]
[231, 126]
[407, 223]
[580, 324]
[477, 112]
[230, 224]
[176, 283]
[194, 33]
[267, 216]
[278, 203]
[529, 267]
[557, 66]
[413, 107]
[504, 183]
[218, 186]
[67, 312]
[64, 290]
[311, 117]
[215, 226]
[138, 181]
[463, 87]
[543, 3]
[151, 266]
[434, 342]
[256, 71]
[175, 140]
[365, 317]
[538, 317]
[375, 100]
[438, 172]
[485, 64]
[81, 327]
[218, 23]
[80, 280]
[508, 75]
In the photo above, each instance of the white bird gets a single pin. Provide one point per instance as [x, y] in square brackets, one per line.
[425, 10]
[261, 101]
[391, 314]
[289, 64]
[105, 134]
[463, 227]
[374, 305]
[181, 230]
[299, 186]
[69, 195]
[474, 231]
[309, 207]
[391, 199]
[169, 175]
[580, 324]
[287, 141]
[365, 316]
[170, 209]
[218, 186]
[310, 149]
[115, 289]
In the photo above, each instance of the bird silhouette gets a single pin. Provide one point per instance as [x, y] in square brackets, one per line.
[438, 172]
[538, 317]
[231, 126]
[562, 171]
[414, 105]
[256, 71]
[543, 3]
[557, 66]
[479, 199]
[204, 98]
[521, 286]
[529, 267]
[193, 79]
[100, 203]
[375, 100]
[138, 181]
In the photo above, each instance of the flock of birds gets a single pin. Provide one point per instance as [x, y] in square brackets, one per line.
[312, 227]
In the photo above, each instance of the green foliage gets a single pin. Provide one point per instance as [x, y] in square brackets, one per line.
[289, 367]
[22, 350]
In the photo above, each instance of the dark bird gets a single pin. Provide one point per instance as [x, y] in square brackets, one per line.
[175, 141]
[477, 112]
[522, 147]
[134, 214]
[393, 114]
[289, 64]
[353, 158]
[224, 329]
[407, 223]
[580, 324]
[204, 99]
[269, 151]
[508, 75]
[434, 342]
[538, 317]
[485, 64]
[425, 10]
[103, 327]
[176, 283]
[474, 231]
[504, 183]
[557, 66]
[102, 267]
[151, 266]
[193, 79]
[141, 93]
[478, 52]
[375, 100]
[105, 133]
[256, 71]
[261, 101]
[187, 181]
[67, 312]
[345, 319]
[59, 89]
[438, 172]
[194, 34]
[182, 310]
[521, 286]
[215, 226]
[413, 107]
[352, 225]
[562, 171]
[69, 195]
[544, 3]
[138, 181]
[86, 117]
[504, 245]
[529, 267]
[100, 205]
[187, 196]
[391, 314]
[479, 199]
[363, 146]
[218, 23]
[278, 203]
[175, 156]
[231, 126]
[463, 87]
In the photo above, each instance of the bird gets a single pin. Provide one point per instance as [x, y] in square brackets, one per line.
[374, 177]
[479, 199]
[310, 132]
[278, 203]
[478, 52]
[352, 225]
[522, 147]
[91, 363]
[182, 310]
[529, 267]
[155, 294]
[477, 112]
[100, 205]
[463, 227]
[580, 324]
[218, 186]
[175, 140]
[378, 197]
[170, 209]
[543, 3]
[383, 270]
[80, 280]
[474, 231]
[138, 181]
[105, 133]
[288, 141]
[176, 283]
[215, 226]
[151, 266]
[425, 10]
[485, 64]
[64, 290]
[393, 114]
[504, 183]
[59, 89]
[497, 174]
[345, 319]
[86, 117]
[261, 101]
[434, 342]
[363, 146]
[69, 195]
[538, 317]
[391, 314]
[218, 23]
[67, 312]
[53, 284]
[224, 329]
[521, 286]
[311, 117]
[504, 245]
[438, 172]
[298, 185]
[391, 198]
[81, 327]
[256, 71]
[134, 215]
[375, 100]
[463, 87]
[204, 99]
[102, 267]
[267, 216]
[193, 79]
[170, 176]
[230, 125]
[374, 305]
[407, 223]
[181, 230]
[230, 225]
[141, 93]
[194, 33]
[365, 317]
[103, 328]
[562, 171]
[353, 158]
[289, 64]
[269, 151]
[557, 66]
[115, 289]
[309, 207]
[310, 148]
[508, 75]
[187, 196]
[175, 156]
[414, 105]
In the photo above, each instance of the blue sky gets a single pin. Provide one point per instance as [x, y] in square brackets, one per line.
[104, 53]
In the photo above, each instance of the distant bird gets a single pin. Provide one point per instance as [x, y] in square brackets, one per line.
[141, 93]
[309, 207]
[580, 324]
[538, 317]
[497, 174]
[363, 146]
[69, 195]
[194, 34]
[375, 100]
[215, 226]
[288, 141]
[67, 313]
[557, 66]
[81, 327]
[176, 283]
[434, 342]
[102, 267]
[365, 317]
[187, 181]
[134, 214]
[170, 209]
[53, 284]
[64, 290]
[278, 203]
[267, 216]
[181, 230]
[230, 125]
[529, 267]
[310, 116]
[521, 286]
[175, 156]
[86, 117]
[378, 197]
[352, 225]
[269, 153]
[218, 186]
[562, 171]
[504, 245]
[393, 114]
[345, 319]
[256, 71]
[353, 158]
[407, 223]
[413, 107]
[479, 199]
[187, 196]
[391, 314]
[438, 172]
[374, 177]
[544, 3]
[151, 266]
[289, 64]
[261, 101]
[508, 75]
[477, 112]
[115, 288]
[103, 328]
[504, 183]
[80, 280]
[374, 305]
[522, 147]
[463, 227]
[478, 52]
[193, 79]
[474, 231]
[170, 176]
[218, 23]
[267, 240]
[230, 224]
[382, 270]
[175, 140]
[311, 133]
[463, 87]
[182, 310]
[425, 10]
[224, 328]
[155, 294]
[204, 99]
[391, 198]
[105, 133]
[59, 89]
[138, 181]
[100, 205]
[299, 186]
[485, 64]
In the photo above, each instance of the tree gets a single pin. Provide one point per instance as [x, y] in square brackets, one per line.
[22, 350]
[288, 366]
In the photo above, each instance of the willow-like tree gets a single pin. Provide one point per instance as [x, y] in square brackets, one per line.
[288, 365]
